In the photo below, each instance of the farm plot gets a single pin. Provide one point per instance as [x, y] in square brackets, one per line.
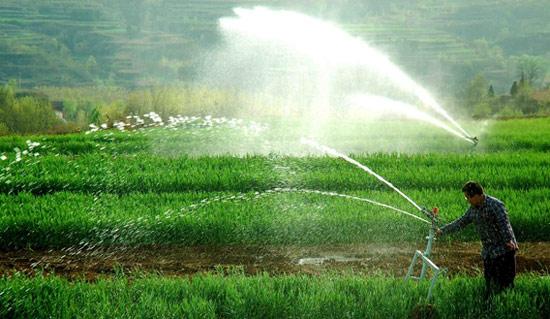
[97, 205]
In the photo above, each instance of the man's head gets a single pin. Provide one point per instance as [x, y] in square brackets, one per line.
[473, 193]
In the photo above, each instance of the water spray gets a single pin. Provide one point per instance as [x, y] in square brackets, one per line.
[348, 159]
[355, 198]
[377, 103]
[277, 190]
[430, 214]
[322, 48]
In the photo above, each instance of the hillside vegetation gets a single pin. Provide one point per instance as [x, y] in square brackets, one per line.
[129, 43]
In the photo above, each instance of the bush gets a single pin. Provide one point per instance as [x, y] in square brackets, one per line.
[27, 114]
[4, 130]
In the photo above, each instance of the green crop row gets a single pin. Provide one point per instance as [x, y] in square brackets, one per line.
[124, 174]
[272, 218]
[100, 186]
[200, 137]
[236, 296]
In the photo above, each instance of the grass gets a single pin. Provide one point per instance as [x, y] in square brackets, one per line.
[198, 138]
[193, 186]
[222, 295]
[150, 173]
[68, 219]
[128, 188]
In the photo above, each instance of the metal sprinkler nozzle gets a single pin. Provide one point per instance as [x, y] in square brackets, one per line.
[431, 214]
[474, 140]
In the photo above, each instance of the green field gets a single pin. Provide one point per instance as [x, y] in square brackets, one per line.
[259, 200]
[217, 184]
[238, 296]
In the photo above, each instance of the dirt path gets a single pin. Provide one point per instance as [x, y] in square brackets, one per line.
[390, 259]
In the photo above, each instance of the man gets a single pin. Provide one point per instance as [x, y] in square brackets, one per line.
[497, 237]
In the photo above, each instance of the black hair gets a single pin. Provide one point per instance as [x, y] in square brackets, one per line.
[472, 188]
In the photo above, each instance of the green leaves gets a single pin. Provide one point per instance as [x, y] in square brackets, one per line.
[112, 188]
[286, 296]
[66, 219]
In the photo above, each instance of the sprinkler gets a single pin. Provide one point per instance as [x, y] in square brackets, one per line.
[474, 140]
[426, 261]
[431, 214]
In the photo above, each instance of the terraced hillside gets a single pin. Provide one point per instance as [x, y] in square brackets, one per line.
[64, 42]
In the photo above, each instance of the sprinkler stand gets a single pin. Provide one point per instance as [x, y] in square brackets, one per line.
[426, 261]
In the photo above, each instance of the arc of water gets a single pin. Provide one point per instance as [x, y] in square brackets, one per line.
[402, 108]
[298, 190]
[325, 41]
[333, 152]
[359, 199]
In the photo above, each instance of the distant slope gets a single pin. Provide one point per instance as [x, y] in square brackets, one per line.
[142, 42]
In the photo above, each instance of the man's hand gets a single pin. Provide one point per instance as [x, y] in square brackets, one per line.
[511, 245]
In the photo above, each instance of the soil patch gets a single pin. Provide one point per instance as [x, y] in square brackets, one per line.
[391, 259]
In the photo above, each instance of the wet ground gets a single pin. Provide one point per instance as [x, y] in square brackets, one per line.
[391, 259]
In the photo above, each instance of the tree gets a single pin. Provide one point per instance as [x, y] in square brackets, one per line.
[522, 82]
[491, 92]
[514, 89]
[524, 100]
[4, 130]
[33, 115]
[476, 97]
[531, 68]
[7, 102]
[27, 114]
[7, 94]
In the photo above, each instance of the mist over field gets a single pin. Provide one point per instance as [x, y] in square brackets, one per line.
[274, 159]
